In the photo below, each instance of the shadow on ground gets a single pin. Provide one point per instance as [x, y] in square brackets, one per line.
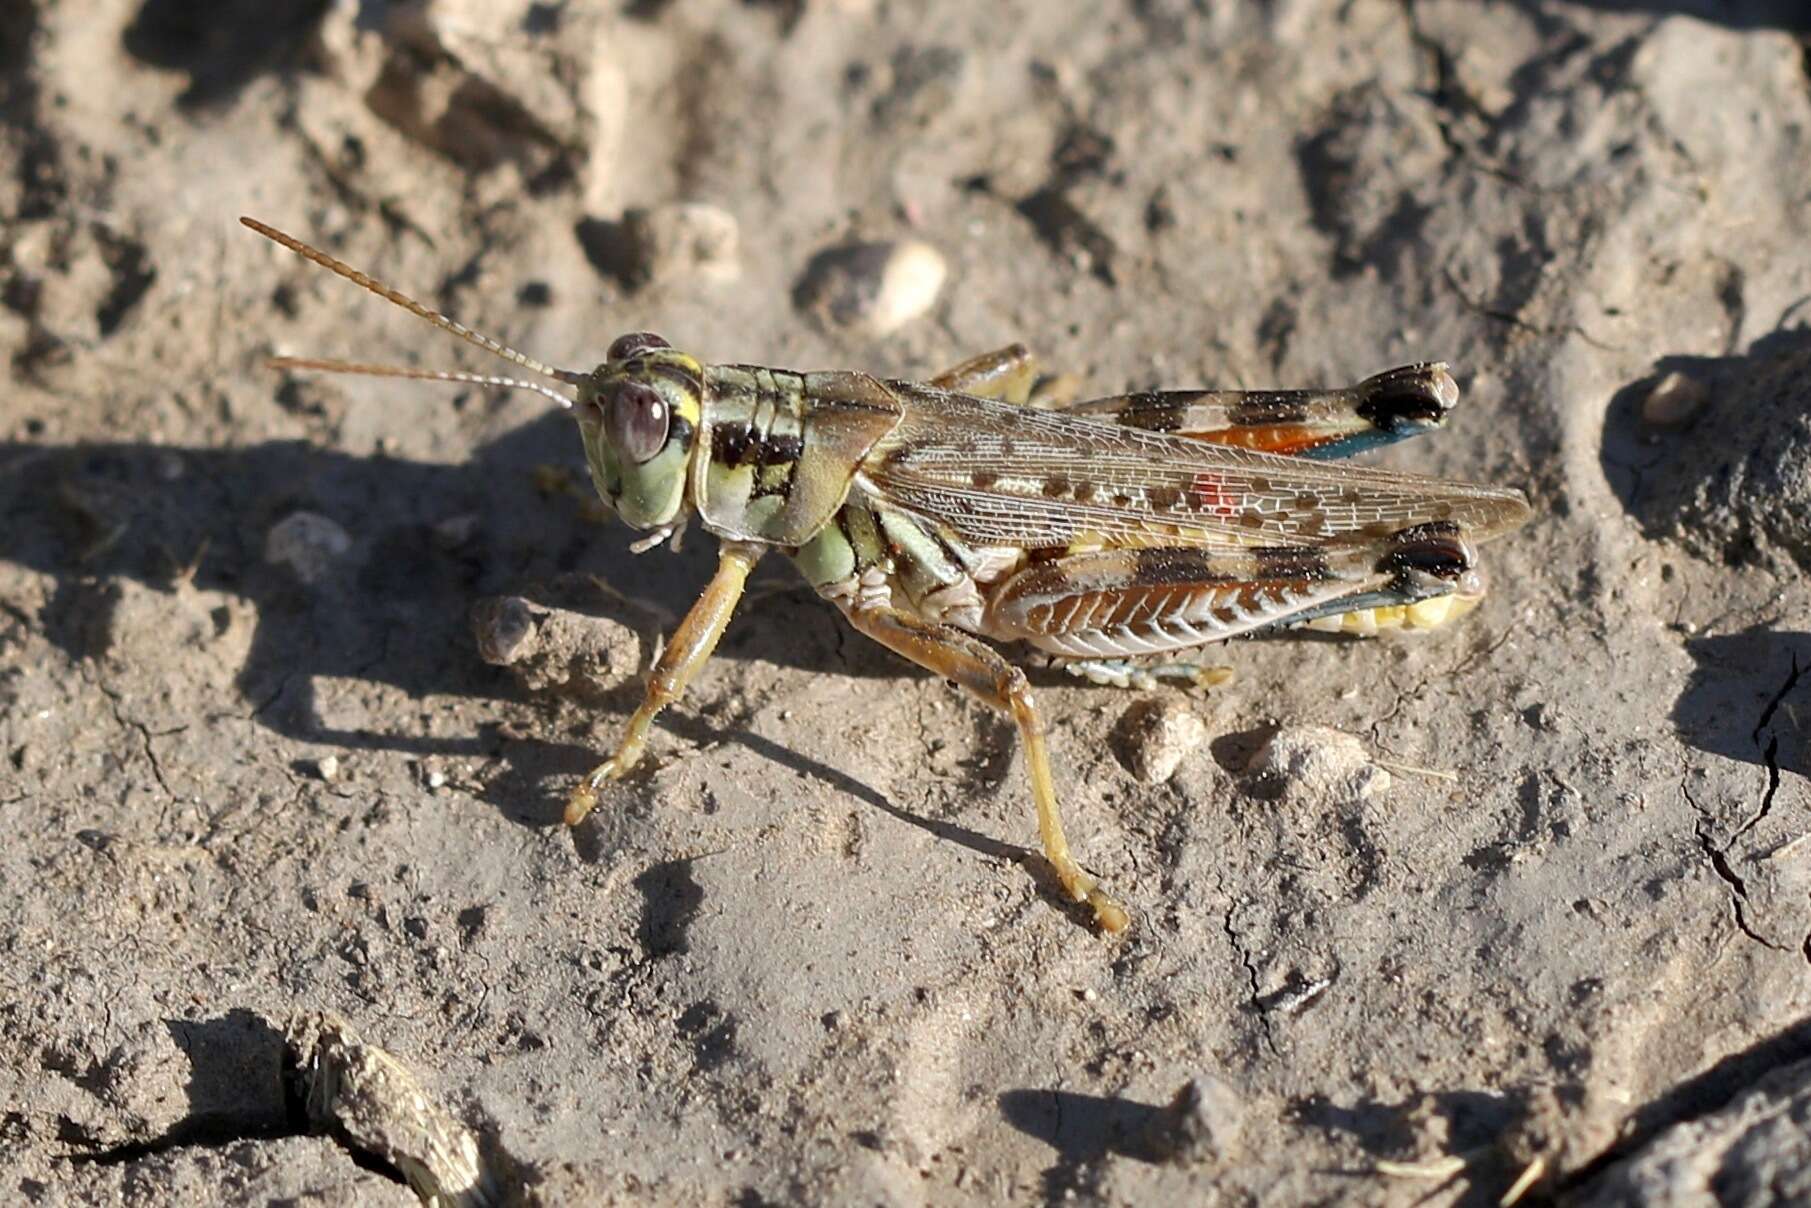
[393, 610]
[1083, 1129]
[1710, 1091]
[1792, 15]
[1749, 698]
[1477, 1126]
[427, 541]
[221, 46]
[234, 1087]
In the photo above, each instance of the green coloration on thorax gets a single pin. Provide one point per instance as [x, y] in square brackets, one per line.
[780, 449]
[761, 455]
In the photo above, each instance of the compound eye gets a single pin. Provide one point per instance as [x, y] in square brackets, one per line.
[624, 347]
[636, 421]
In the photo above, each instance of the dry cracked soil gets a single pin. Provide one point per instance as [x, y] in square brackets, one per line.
[1519, 909]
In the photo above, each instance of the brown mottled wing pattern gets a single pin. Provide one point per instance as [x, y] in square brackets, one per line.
[1001, 475]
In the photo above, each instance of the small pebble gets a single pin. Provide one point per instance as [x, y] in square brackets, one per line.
[308, 543]
[683, 239]
[1674, 401]
[1155, 735]
[875, 287]
[455, 531]
[328, 768]
[436, 779]
[504, 629]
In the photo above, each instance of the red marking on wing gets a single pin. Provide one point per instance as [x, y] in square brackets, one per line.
[1206, 494]
[1290, 440]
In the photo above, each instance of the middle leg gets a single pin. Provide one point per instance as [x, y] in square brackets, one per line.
[1011, 375]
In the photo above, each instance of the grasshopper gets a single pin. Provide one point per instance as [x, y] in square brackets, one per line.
[1116, 535]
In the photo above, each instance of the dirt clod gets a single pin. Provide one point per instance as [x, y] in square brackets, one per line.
[1318, 761]
[373, 1103]
[570, 636]
[1155, 735]
[1202, 1124]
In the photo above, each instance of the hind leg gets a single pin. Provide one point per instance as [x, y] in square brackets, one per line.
[981, 671]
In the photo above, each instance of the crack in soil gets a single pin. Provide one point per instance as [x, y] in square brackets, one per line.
[1719, 862]
[204, 1132]
[1771, 753]
[1251, 978]
[145, 735]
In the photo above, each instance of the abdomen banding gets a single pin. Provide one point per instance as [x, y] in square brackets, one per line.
[1112, 603]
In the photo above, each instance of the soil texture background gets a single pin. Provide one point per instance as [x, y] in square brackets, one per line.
[1518, 907]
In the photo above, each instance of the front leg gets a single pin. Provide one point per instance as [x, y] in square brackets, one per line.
[981, 671]
[689, 650]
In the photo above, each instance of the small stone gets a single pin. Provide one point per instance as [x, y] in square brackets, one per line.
[874, 287]
[328, 768]
[505, 630]
[436, 779]
[1321, 761]
[308, 543]
[1155, 735]
[1674, 401]
[683, 239]
[455, 531]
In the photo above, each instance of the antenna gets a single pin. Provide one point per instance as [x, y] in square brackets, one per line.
[495, 347]
[323, 365]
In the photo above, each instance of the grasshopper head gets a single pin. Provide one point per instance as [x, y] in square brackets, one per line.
[639, 413]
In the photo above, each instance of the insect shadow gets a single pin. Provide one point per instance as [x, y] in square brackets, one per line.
[427, 541]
